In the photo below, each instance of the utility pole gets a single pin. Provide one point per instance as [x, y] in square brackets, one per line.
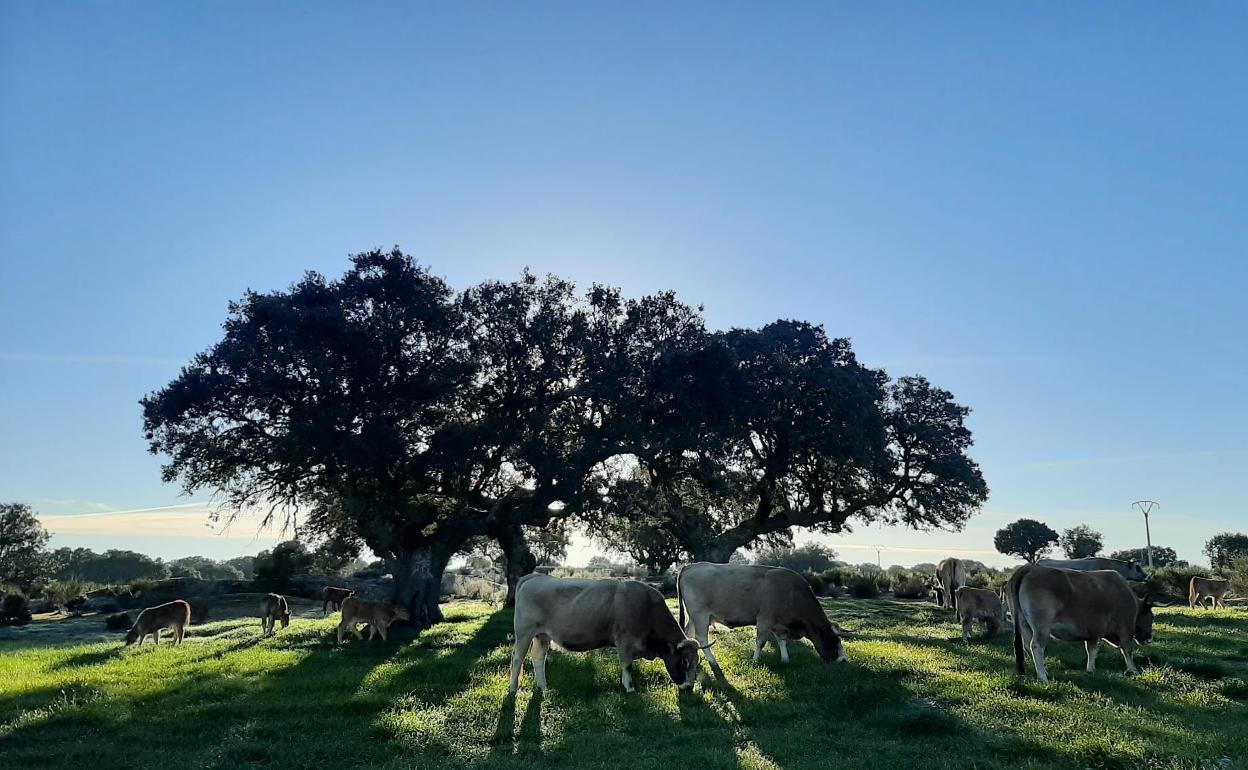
[1146, 507]
[878, 563]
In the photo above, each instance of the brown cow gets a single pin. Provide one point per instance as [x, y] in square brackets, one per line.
[272, 609]
[979, 604]
[1076, 607]
[334, 596]
[377, 615]
[1201, 588]
[778, 602]
[175, 615]
[581, 615]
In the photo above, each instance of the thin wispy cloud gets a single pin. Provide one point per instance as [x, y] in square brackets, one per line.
[90, 360]
[185, 520]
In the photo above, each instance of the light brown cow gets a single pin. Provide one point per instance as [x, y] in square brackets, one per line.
[581, 615]
[950, 576]
[377, 615]
[1076, 607]
[778, 602]
[1201, 588]
[175, 615]
[334, 596]
[979, 604]
[272, 609]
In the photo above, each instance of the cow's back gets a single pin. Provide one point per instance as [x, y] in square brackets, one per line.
[578, 614]
[733, 594]
[1083, 604]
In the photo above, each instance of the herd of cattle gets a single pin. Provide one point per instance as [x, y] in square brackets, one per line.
[1080, 600]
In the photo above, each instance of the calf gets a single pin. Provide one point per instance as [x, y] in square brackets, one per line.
[1076, 607]
[175, 615]
[377, 615]
[1201, 588]
[334, 596]
[272, 609]
[778, 602]
[581, 615]
[979, 604]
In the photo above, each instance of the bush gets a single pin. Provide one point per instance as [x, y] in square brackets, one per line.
[911, 587]
[118, 622]
[1238, 574]
[200, 610]
[863, 586]
[1173, 581]
[14, 609]
[978, 580]
[65, 591]
[836, 576]
[815, 581]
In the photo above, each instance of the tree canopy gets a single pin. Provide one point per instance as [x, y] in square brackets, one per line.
[1027, 539]
[22, 539]
[1162, 556]
[382, 408]
[1225, 547]
[1081, 541]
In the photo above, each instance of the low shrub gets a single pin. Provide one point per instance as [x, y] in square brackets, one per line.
[978, 579]
[200, 610]
[120, 621]
[1173, 581]
[911, 587]
[15, 608]
[815, 581]
[862, 586]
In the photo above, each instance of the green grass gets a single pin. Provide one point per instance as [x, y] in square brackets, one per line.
[912, 695]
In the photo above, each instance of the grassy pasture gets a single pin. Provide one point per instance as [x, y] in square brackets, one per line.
[912, 695]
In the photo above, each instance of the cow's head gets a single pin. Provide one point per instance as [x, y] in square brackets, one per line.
[132, 635]
[1136, 572]
[398, 613]
[827, 643]
[1143, 632]
[681, 659]
[285, 618]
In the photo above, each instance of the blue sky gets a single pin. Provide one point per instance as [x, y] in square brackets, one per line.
[1040, 208]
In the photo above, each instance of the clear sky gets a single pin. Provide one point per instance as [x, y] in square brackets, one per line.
[1041, 208]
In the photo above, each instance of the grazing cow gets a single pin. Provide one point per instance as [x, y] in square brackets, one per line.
[950, 576]
[334, 596]
[272, 609]
[979, 604]
[778, 602]
[1207, 588]
[581, 615]
[376, 615]
[175, 615]
[1076, 607]
[1131, 570]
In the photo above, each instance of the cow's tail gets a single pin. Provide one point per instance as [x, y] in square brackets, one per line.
[1191, 593]
[186, 621]
[1012, 587]
[680, 602]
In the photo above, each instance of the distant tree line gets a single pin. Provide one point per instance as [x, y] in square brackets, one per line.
[1031, 540]
[385, 408]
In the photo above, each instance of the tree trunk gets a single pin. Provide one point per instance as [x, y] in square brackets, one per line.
[715, 551]
[520, 559]
[418, 584]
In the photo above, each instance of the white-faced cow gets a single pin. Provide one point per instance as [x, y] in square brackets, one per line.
[776, 601]
[1076, 607]
[950, 576]
[581, 615]
[979, 605]
[1201, 588]
[1131, 570]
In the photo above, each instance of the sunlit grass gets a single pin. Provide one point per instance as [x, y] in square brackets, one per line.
[912, 695]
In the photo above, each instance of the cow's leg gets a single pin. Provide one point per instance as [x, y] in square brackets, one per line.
[760, 639]
[701, 632]
[517, 659]
[343, 625]
[541, 646]
[156, 636]
[382, 629]
[1126, 650]
[1035, 635]
[626, 660]
[968, 626]
[180, 631]
[784, 648]
[1093, 646]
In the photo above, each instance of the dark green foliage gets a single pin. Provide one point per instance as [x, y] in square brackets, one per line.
[1162, 556]
[1027, 539]
[15, 608]
[862, 586]
[815, 581]
[120, 621]
[1173, 582]
[203, 568]
[1224, 548]
[811, 557]
[22, 539]
[1081, 541]
[275, 568]
[911, 586]
[114, 566]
